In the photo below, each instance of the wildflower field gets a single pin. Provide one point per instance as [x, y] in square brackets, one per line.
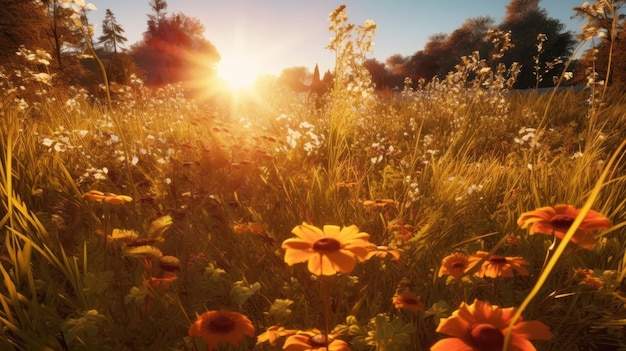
[455, 215]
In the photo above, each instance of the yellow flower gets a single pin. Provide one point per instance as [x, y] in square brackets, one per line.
[314, 340]
[481, 327]
[558, 219]
[329, 251]
[273, 333]
[222, 327]
[454, 264]
[408, 301]
[498, 266]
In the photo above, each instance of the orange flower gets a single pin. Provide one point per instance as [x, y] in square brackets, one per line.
[454, 264]
[401, 230]
[314, 340]
[113, 199]
[586, 276]
[252, 227]
[163, 282]
[382, 252]
[498, 266]
[371, 204]
[273, 333]
[481, 326]
[558, 219]
[408, 301]
[329, 251]
[222, 326]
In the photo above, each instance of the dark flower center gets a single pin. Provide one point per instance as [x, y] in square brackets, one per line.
[319, 340]
[497, 259]
[562, 221]
[458, 265]
[486, 337]
[326, 244]
[410, 301]
[221, 324]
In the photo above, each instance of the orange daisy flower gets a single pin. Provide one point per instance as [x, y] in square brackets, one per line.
[498, 266]
[558, 219]
[481, 326]
[314, 340]
[222, 326]
[454, 264]
[408, 301]
[329, 251]
[273, 333]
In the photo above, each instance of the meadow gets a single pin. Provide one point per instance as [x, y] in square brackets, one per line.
[155, 221]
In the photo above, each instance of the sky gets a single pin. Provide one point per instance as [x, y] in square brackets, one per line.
[271, 35]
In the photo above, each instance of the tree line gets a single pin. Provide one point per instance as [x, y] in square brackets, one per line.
[538, 43]
[174, 48]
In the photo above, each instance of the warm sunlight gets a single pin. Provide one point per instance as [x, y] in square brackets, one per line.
[239, 71]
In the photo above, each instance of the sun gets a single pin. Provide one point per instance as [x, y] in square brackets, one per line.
[238, 71]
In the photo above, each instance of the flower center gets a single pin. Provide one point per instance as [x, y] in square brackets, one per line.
[486, 337]
[221, 324]
[319, 340]
[497, 259]
[410, 301]
[458, 265]
[326, 244]
[562, 221]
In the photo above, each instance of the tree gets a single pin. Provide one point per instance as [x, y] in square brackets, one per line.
[112, 33]
[112, 39]
[443, 52]
[294, 78]
[174, 49]
[609, 26]
[426, 63]
[317, 86]
[529, 25]
[379, 73]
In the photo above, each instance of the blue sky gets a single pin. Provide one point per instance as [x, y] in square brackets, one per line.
[278, 34]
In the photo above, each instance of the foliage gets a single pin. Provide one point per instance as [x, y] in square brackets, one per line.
[174, 49]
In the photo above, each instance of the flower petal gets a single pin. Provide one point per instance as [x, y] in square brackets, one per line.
[449, 344]
[296, 244]
[453, 326]
[532, 330]
[307, 232]
[343, 261]
[332, 231]
[297, 256]
[320, 264]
